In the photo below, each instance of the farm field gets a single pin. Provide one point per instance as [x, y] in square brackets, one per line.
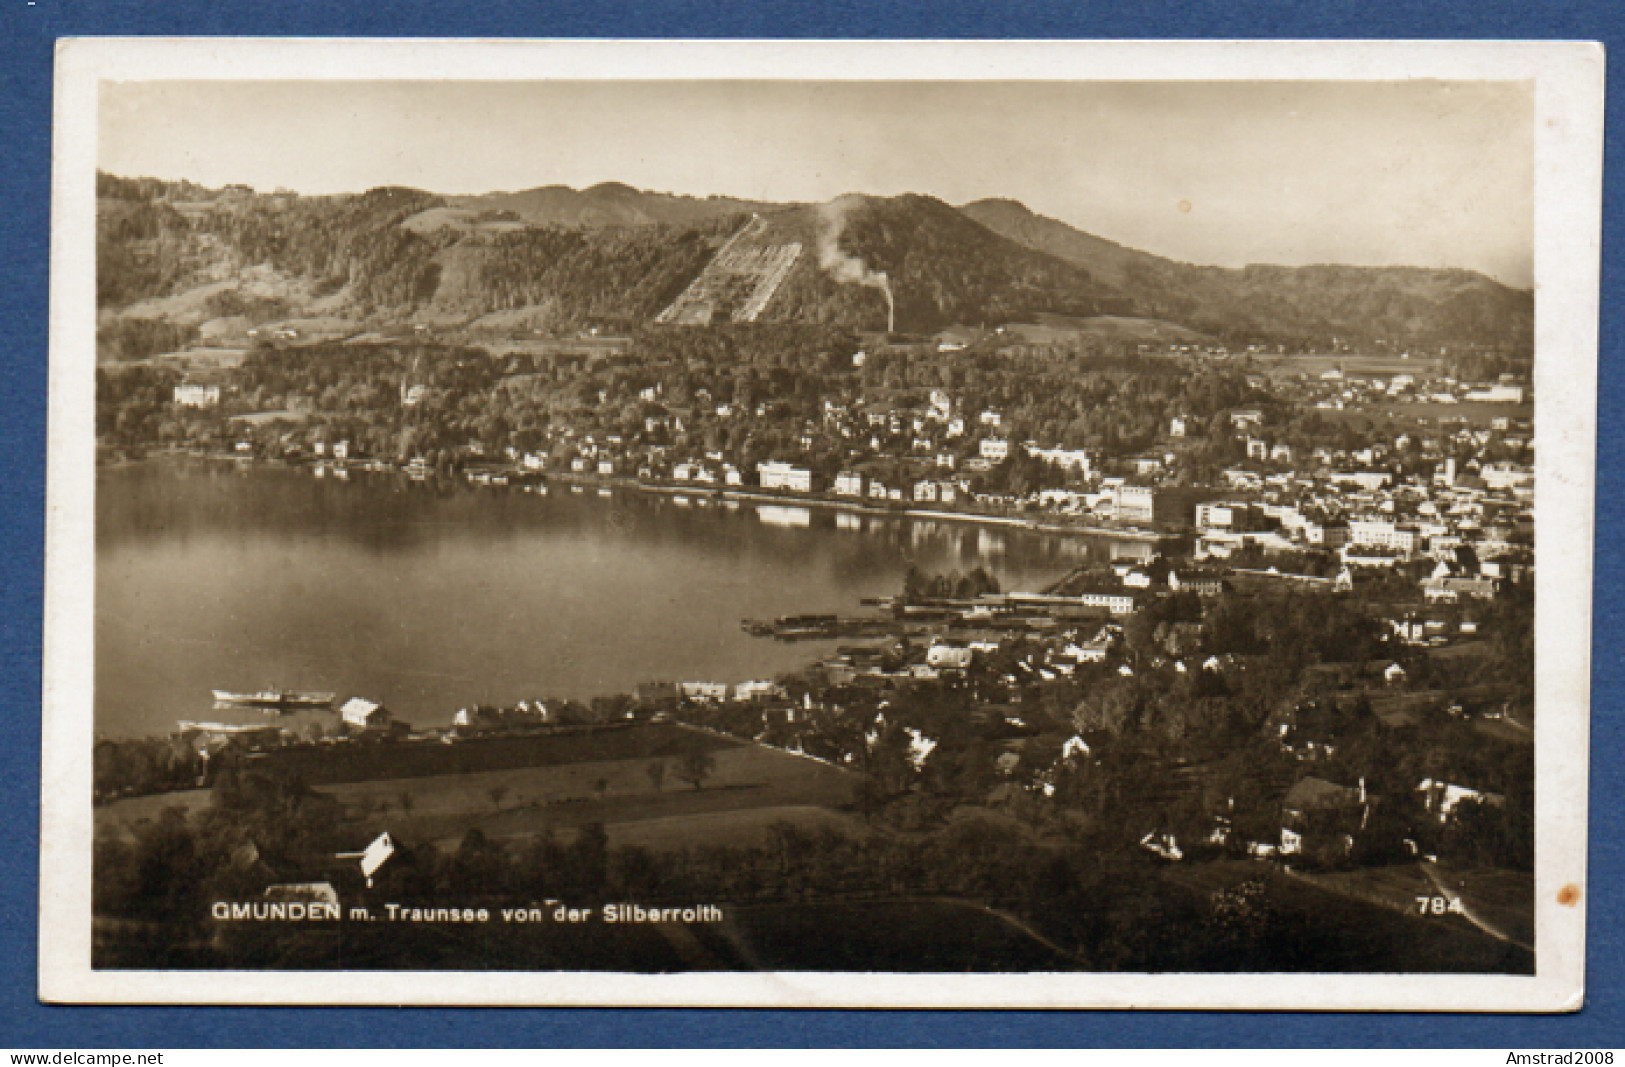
[124, 818]
[333, 764]
[1353, 366]
[737, 826]
[751, 788]
[1476, 412]
[260, 418]
[1393, 418]
[202, 357]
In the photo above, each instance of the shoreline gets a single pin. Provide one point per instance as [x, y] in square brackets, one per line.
[855, 507]
[716, 492]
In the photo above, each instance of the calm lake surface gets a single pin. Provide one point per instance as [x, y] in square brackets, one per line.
[428, 597]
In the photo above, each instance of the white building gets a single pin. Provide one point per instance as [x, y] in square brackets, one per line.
[1498, 394]
[1133, 503]
[1116, 603]
[849, 483]
[1384, 534]
[1506, 475]
[757, 691]
[776, 475]
[952, 657]
[1215, 516]
[995, 449]
[193, 395]
[364, 714]
[1068, 458]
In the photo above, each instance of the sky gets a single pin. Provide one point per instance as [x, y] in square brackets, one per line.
[1417, 173]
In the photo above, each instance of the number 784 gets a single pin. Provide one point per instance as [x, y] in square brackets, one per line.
[1439, 906]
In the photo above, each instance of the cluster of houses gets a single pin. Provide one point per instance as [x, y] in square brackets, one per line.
[916, 456]
[1336, 390]
[1472, 519]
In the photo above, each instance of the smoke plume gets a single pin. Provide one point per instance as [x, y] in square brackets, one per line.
[845, 268]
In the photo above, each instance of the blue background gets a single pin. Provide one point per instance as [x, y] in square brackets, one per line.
[27, 35]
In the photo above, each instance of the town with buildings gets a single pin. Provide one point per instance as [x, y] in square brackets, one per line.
[1310, 649]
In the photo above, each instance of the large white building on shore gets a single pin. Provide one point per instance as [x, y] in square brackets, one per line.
[776, 475]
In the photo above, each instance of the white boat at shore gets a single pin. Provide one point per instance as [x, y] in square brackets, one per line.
[273, 698]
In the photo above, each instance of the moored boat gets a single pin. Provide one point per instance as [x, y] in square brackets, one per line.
[274, 698]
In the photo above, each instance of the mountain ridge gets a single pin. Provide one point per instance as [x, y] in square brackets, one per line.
[615, 255]
[1231, 300]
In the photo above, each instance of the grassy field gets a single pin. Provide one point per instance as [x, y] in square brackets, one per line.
[457, 218]
[123, 819]
[1362, 366]
[1498, 902]
[1504, 900]
[575, 778]
[334, 764]
[1394, 419]
[1475, 412]
[260, 418]
[751, 788]
[1358, 921]
[211, 357]
[738, 826]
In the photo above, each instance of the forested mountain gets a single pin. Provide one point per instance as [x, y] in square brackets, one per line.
[940, 266]
[1406, 305]
[556, 258]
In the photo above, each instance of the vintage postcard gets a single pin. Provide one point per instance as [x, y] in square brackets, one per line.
[875, 524]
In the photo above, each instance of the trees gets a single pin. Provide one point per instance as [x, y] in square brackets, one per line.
[696, 767]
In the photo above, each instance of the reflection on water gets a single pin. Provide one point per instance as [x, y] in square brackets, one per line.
[430, 595]
[1135, 550]
[774, 515]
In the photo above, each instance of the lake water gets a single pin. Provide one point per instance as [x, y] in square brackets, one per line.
[428, 597]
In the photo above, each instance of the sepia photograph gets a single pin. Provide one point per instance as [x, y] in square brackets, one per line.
[751, 524]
